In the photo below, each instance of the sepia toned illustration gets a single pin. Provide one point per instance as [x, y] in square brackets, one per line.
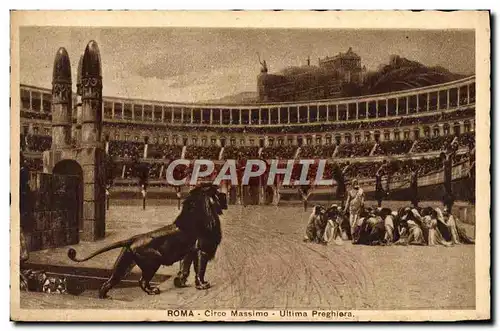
[236, 173]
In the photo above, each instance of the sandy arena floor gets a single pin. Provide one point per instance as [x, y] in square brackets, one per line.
[263, 263]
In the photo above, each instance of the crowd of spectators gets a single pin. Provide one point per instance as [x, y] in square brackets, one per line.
[467, 139]
[354, 149]
[431, 144]
[154, 170]
[202, 152]
[401, 169]
[126, 149]
[34, 164]
[361, 170]
[241, 153]
[319, 127]
[36, 115]
[461, 113]
[317, 151]
[279, 152]
[458, 158]
[392, 147]
[171, 151]
[35, 143]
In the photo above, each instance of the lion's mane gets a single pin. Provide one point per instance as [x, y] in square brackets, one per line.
[200, 214]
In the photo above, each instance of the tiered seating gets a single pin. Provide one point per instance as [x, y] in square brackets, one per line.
[425, 145]
[318, 151]
[355, 149]
[34, 164]
[171, 151]
[466, 140]
[327, 127]
[242, 152]
[37, 143]
[279, 152]
[392, 147]
[466, 112]
[126, 149]
[426, 166]
[458, 158]
[154, 170]
[361, 170]
[201, 152]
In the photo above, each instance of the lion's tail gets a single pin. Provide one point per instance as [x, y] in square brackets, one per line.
[72, 252]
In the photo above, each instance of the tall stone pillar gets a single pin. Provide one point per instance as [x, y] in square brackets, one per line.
[61, 101]
[78, 124]
[91, 152]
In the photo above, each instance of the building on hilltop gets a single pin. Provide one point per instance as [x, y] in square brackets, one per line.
[333, 77]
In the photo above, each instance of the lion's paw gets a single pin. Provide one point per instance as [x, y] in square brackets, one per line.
[180, 282]
[153, 291]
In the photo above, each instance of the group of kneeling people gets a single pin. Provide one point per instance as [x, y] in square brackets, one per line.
[383, 226]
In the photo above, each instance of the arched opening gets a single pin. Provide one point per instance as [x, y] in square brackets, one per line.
[71, 168]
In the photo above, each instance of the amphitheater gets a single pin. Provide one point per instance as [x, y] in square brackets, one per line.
[401, 126]
[262, 262]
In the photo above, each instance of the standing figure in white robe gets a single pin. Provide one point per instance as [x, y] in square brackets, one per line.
[333, 225]
[354, 205]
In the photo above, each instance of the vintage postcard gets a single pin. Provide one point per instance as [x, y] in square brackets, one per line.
[250, 166]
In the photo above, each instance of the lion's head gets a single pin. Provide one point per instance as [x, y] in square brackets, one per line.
[201, 210]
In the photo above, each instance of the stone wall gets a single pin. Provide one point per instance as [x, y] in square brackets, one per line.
[52, 220]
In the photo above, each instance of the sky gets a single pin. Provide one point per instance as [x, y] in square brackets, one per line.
[194, 64]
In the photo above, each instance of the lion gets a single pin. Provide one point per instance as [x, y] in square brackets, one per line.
[195, 234]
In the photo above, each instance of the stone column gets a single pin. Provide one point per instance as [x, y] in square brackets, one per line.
[92, 155]
[78, 126]
[61, 101]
